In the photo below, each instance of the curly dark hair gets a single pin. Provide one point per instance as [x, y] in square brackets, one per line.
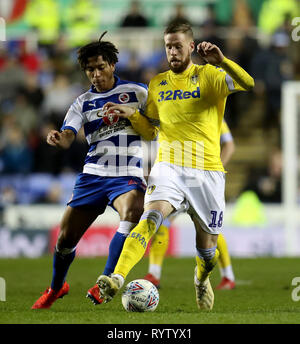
[105, 49]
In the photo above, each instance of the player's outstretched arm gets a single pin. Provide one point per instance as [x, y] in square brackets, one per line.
[62, 139]
[213, 55]
[139, 123]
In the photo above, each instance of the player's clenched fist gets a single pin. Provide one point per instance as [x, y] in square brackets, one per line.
[60, 139]
[53, 138]
[210, 53]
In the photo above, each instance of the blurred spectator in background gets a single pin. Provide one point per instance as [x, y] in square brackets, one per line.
[270, 68]
[266, 182]
[209, 29]
[274, 12]
[46, 72]
[242, 49]
[242, 16]
[12, 75]
[147, 74]
[52, 194]
[28, 57]
[81, 22]
[73, 158]
[47, 159]
[134, 18]
[3, 57]
[8, 196]
[179, 16]
[32, 91]
[133, 70]
[43, 17]
[211, 17]
[61, 57]
[58, 99]
[16, 155]
[24, 115]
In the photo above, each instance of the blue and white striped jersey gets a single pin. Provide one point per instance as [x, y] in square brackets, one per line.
[115, 148]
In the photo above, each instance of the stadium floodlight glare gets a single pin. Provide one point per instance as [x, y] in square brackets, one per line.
[290, 126]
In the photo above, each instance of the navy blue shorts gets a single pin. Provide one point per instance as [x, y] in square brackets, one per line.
[97, 192]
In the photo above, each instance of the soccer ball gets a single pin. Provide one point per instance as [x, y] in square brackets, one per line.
[140, 296]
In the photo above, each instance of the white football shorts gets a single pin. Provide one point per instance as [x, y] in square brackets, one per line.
[200, 193]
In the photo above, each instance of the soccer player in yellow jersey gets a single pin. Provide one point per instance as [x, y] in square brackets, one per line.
[188, 101]
[160, 240]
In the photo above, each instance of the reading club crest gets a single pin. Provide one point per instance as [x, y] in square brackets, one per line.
[124, 97]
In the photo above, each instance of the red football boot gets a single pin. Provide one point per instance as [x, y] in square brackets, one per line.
[49, 296]
[94, 295]
[226, 283]
[149, 277]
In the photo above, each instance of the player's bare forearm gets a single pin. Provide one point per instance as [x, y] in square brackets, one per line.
[62, 139]
[238, 74]
[227, 151]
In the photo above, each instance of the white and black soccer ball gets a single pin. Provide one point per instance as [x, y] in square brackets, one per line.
[140, 296]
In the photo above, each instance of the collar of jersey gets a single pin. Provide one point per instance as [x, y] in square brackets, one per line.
[184, 74]
[117, 82]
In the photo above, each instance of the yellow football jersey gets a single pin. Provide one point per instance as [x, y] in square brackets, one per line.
[225, 133]
[190, 108]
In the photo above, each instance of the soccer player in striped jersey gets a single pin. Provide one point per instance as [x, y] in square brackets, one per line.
[113, 170]
[188, 101]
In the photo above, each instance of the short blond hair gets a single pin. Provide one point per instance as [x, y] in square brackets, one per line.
[179, 27]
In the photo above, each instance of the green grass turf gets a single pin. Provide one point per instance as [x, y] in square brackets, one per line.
[262, 296]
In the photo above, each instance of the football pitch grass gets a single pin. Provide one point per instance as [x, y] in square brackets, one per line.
[263, 294]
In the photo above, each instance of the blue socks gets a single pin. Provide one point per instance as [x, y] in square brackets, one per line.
[61, 264]
[63, 258]
[116, 246]
[115, 249]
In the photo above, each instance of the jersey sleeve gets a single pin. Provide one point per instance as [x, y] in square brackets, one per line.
[221, 82]
[151, 110]
[74, 118]
[226, 135]
[142, 95]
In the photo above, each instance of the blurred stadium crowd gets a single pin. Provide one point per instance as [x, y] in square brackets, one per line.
[39, 82]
